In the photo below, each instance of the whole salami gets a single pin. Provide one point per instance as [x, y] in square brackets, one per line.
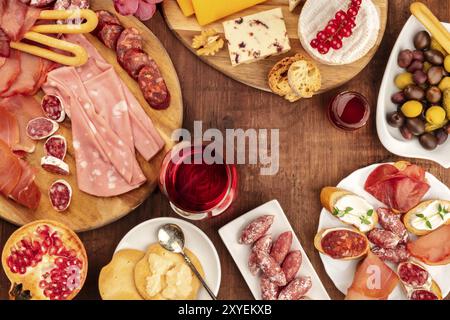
[134, 60]
[262, 245]
[396, 255]
[383, 238]
[110, 34]
[281, 246]
[130, 38]
[256, 229]
[53, 108]
[296, 289]
[291, 265]
[271, 269]
[41, 128]
[56, 146]
[60, 194]
[154, 87]
[392, 222]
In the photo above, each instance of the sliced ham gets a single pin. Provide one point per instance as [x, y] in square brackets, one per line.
[9, 71]
[17, 18]
[434, 248]
[24, 109]
[25, 83]
[107, 125]
[400, 189]
[373, 280]
[10, 169]
[9, 128]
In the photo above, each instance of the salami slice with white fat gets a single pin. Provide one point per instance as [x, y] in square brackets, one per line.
[40, 3]
[53, 108]
[41, 128]
[55, 165]
[56, 146]
[60, 194]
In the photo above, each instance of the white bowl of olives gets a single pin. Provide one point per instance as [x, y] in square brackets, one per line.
[413, 112]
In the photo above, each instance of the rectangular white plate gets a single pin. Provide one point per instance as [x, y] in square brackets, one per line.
[231, 232]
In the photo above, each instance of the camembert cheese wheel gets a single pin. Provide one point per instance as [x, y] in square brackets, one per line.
[314, 18]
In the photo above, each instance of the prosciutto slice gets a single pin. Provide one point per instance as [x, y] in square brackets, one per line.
[373, 280]
[17, 18]
[400, 189]
[10, 169]
[24, 109]
[107, 125]
[434, 248]
[9, 71]
[9, 128]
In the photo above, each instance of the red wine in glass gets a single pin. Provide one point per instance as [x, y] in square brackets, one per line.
[349, 111]
[197, 189]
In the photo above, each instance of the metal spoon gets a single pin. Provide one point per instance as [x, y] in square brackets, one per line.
[171, 238]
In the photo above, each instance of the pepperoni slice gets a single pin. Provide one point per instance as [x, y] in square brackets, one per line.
[55, 165]
[130, 38]
[134, 60]
[56, 146]
[412, 274]
[423, 295]
[154, 87]
[41, 128]
[60, 194]
[53, 108]
[110, 34]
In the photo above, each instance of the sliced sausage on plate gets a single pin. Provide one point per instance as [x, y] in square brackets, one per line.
[41, 128]
[56, 146]
[130, 38]
[134, 60]
[53, 108]
[60, 194]
[55, 165]
[154, 87]
[110, 34]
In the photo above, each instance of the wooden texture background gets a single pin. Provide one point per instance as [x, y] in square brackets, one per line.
[312, 153]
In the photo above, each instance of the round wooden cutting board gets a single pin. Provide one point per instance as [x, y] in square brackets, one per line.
[87, 212]
[255, 74]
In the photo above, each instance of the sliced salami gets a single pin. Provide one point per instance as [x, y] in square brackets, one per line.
[109, 35]
[423, 295]
[56, 146]
[154, 87]
[40, 3]
[130, 38]
[55, 165]
[41, 128]
[413, 275]
[60, 194]
[53, 108]
[396, 255]
[134, 60]
[105, 18]
[383, 238]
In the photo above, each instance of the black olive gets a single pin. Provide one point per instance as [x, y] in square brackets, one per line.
[434, 95]
[441, 136]
[416, 126]
[428, 141]
[422, 40]
[413, 92]
[434, 57]
[396, 119]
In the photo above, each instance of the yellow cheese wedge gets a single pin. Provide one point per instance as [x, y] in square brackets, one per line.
[208, 11]
[186, 7]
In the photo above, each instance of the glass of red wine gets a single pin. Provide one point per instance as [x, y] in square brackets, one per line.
[197, 187]
[349, 111]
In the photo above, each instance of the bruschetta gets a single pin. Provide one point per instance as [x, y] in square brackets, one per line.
[427, 217]
[350, 208]
[342, 243]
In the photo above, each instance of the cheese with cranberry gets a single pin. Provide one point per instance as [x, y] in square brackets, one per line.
[314, 18]
[256, 36]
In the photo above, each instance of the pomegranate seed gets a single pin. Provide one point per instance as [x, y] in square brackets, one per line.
[314, 43]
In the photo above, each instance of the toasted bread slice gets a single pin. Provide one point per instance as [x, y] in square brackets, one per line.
[293, 4]
[329, 197]
[304, 78]
[407, 218]
[278, 78]
[318, 243]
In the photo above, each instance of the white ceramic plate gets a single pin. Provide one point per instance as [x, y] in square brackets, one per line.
[231, 232]
[391, 137]
[145, 234]
[342, 272]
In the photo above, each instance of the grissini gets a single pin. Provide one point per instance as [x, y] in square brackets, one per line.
[364, 220]
[430, 214]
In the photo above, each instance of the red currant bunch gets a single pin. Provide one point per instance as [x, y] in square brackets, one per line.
[338, 28]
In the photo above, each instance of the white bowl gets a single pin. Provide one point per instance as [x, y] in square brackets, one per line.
[390, 137]
[145, 234]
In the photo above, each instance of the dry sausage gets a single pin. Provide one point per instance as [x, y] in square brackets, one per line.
[130, 38]
[110, 34]
[396, 255]
[154, 87]
[41, 128]
[256, 229]
[291, 264]
[53, 108]
[383, 238]
[392, 222]
[296, 289]
[134, 60]
[56, 146]
[55, 165]
[269, 290]
[281, 246]
[60, 194]
[271, 268]
[412, 274]
[263, 244]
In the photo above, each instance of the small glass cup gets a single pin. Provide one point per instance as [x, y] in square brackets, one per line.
[349, 111]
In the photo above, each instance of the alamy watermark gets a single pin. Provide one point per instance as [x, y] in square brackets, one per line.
[235, 146]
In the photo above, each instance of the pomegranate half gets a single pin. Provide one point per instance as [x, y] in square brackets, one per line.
[44, 260]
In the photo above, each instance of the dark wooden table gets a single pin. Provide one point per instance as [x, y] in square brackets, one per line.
[312, 153]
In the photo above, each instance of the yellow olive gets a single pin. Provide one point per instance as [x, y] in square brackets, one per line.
[412, 109]
[446, 102]
[444, 84]
[436, 46]
[433, 127]
[403, 80]
[436, 115]
[426, 66]
[447, 63]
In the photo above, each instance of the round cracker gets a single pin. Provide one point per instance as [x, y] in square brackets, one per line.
[142, 271]
[116, 280]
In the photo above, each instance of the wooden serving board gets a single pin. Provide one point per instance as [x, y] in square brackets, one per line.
[88, 212]
[255, 74]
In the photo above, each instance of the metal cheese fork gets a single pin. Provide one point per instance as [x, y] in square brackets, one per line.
[171, 238]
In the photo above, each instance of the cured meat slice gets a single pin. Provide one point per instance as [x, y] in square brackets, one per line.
[53, 108]
[106, 18]
[55, 165]
[411, 274]
[154, 87]
[134, 60]
[41, 128]
[26, 191]
[9, 71]
[399, 189]
[41, 3]
[130, 38]
[10, 169]
[24, 109]
[109, 35]
[60, 194]
[31, 67]
[17, 18]
[296, 289]
[373, 280]
[9, 128]
[433, 248]
[126, 7]
[395, 255]
[422, 294]
[392, 222]
[56, 146]
[146, 9]
[5, 49]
